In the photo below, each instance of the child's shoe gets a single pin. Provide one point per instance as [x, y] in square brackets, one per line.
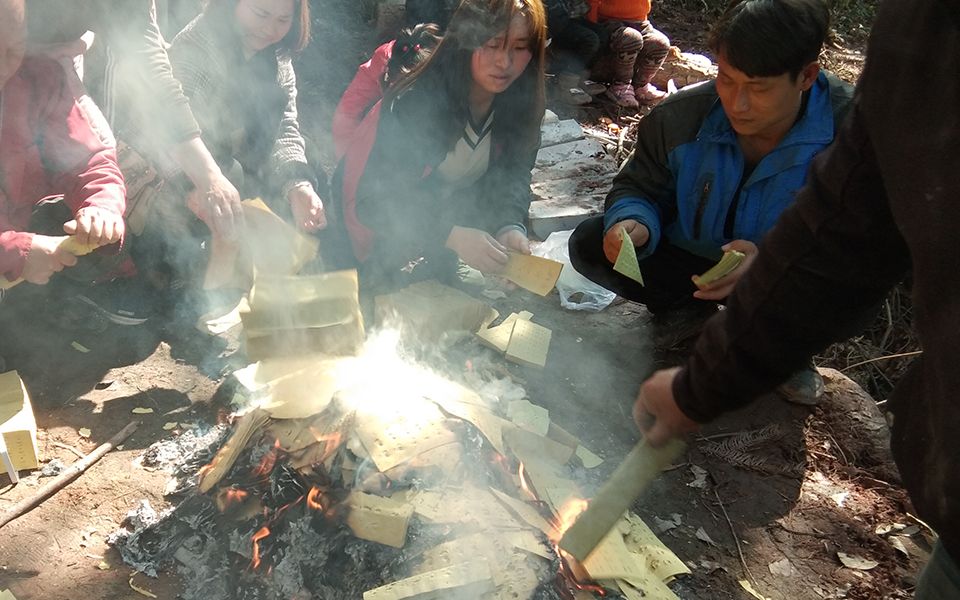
[648, 94]
[623, 95]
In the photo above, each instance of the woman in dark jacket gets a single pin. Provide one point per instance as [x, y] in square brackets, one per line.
[440, 169]
[234, 62]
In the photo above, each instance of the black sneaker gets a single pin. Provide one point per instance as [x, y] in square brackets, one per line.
[127, 301]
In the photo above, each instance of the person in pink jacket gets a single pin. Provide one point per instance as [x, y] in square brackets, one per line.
[389, 61]
[50, 146]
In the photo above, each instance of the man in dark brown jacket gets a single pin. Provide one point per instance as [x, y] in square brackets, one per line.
[883, 201]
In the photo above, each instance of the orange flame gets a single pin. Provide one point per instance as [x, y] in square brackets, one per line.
[567, 516]
[315, 499]
[331, 441]
[268, 461]
[230, 497]
[264, 532]
[521, 473]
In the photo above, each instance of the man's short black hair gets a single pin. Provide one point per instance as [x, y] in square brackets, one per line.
[767, 38]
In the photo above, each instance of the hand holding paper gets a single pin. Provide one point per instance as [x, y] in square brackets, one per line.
[627, 258]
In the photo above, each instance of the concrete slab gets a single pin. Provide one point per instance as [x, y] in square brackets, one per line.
[570, 150]
[560, 132]
[563, 204]
[575, 167]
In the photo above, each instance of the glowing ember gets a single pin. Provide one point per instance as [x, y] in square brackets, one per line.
[268, 461]
[315, 499]
[264, 532]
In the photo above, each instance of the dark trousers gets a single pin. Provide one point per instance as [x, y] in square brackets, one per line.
[666, 272]
[940, 579]
[574, 47]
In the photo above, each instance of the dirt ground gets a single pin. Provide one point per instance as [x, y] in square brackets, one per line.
[819, 487]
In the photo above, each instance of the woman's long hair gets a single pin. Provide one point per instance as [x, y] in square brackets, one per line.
[448, 72]
[293, 43]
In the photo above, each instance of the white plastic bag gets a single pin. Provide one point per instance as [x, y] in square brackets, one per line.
[576, 291]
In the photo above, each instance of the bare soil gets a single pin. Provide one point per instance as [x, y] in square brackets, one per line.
[825, 485]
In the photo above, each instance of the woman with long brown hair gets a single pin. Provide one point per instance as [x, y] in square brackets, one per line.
[440, 169]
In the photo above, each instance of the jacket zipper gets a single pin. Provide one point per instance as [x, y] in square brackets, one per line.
[701, 208]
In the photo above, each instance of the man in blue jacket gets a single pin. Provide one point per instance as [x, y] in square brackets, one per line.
[717, 163]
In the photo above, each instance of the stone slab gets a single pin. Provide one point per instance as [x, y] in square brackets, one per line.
[568, 151]
[560, 132]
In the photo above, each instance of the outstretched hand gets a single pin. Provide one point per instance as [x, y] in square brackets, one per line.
[216, 202]
[656, 412]
[46, 257]
[516, 240]
[638, 232]
[307, 208]
[478, 249]
[723, 287]
[95, 226]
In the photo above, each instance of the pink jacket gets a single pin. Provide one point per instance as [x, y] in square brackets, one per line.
[49, 145]
[362, 93]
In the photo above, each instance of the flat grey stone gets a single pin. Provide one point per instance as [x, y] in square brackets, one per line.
[560, 133]
[570, 150]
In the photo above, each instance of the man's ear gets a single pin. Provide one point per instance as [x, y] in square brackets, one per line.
[808, 75]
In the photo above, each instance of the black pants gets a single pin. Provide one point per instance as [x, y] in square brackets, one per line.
[666, 272]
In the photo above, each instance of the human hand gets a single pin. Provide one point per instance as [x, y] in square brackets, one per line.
[217, 203]
[95, 226]
[638, 232]
[307, 208]
[656, 412]
[478, 249]
[721, 288]
[516, 240]
[45, 258]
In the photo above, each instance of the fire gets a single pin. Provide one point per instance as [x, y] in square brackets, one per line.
[262, 533]
[331, 442]
[315, 499]
[268, 461]
[568, 515]
[523, 483]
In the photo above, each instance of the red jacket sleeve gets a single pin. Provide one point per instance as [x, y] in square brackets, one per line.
[362, 93]
[78, 148]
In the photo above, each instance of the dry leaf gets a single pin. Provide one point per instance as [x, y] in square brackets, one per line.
[897, 542]
[852, 561]
[749, 588]
[784, 568]
[84, 432]
[140, 590]
[703, 537]
[699, 477]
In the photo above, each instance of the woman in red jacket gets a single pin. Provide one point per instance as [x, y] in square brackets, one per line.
[388, 63]
[440, 168]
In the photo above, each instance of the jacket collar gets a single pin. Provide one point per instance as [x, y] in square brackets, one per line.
[814, 127]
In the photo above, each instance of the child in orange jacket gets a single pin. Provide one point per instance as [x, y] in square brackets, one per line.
[638, 49]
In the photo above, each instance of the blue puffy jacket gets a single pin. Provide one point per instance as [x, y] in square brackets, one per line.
[684, 175]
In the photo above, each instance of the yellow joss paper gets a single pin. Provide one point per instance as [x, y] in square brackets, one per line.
[627, 259]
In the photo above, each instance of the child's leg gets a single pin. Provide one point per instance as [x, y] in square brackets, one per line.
[626, 44]
[655, 47]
